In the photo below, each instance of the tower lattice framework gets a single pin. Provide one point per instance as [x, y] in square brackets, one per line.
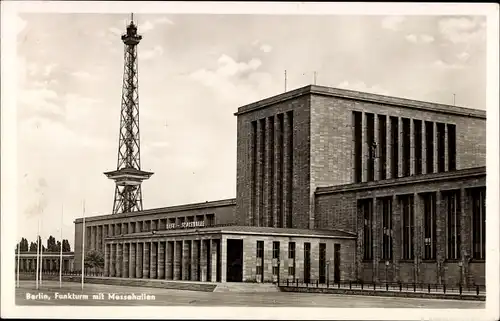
[128, 175]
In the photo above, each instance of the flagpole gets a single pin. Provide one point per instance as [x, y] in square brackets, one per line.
[60, 255]
[83, 244]
[18, 261]
[37, 253]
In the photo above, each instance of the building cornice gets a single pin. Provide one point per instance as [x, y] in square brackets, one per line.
[162, 210]
[409, 180]
[365, 97]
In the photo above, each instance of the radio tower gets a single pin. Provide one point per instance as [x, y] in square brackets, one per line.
[128, 175]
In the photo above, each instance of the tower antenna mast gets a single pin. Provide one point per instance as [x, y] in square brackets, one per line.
[128, 175]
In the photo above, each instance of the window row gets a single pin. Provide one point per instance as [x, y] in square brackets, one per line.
[452, 229]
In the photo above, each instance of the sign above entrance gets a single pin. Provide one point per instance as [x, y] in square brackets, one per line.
[172, 226]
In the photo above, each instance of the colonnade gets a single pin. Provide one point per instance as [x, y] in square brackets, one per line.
[48, 264]
[186, 259]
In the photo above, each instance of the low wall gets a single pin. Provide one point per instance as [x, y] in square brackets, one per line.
[183, 285]
[421, 295]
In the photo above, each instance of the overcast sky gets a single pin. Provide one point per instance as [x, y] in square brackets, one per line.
[194, 72]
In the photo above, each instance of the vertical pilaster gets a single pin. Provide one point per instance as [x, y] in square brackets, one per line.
[153, 266]
[388, 144]
[285, 170]
[92, 237]
[377, 239]
[119, 259]
[418, 215]
[364, 148]
[376, 163]
[440, 235]
[465, 234]
[259, 172]
[400, 147]
[139, 256]
[223, 260]
[412, 148]
[113, 260]
[106, 260]
[169, 260]
[396, 239]
[99, 238]
[146, 260]
[132, 261]
[161, 260]
[267, 173]
[126, 249]
[277, 174]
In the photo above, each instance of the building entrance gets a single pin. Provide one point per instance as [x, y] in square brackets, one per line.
[234, 260]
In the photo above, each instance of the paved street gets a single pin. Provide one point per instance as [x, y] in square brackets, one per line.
[106, 295]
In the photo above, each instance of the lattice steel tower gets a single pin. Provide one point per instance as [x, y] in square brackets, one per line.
[128, 175]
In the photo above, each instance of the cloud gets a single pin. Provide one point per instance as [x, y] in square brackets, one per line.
[164, 20]
[81, 74]
[149, 25]
[443, 65]
[40, 101]
[463, 56]
[462, 30]
[361, 86]
[266, 48]
[392, 22]
[147, 54]
[422, 38]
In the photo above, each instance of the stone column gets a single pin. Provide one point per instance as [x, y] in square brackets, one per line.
[441, 216]
[113, 260]
[412, 148]
[146, 260]
[153, 265]
[435, 147]
[124, 228]
[418, 236]
[259, 172]
[137, 227]
[92, 237]
[465, 228]
[161, 260]
[376, 165]
[364, 149]
[106, 260]
[126, 262]
[138, 262]
[186, 262]
[203, 261]
[267, 207]
[400, 147]
[178, 260]
[215, 250]
[377, 238]
[388, 156]
[119, 259]
[132, 261]
[223, 260]
[446, 156]
[396, 239]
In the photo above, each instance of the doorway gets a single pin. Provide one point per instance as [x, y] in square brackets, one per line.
[336, 263]
[234, 260]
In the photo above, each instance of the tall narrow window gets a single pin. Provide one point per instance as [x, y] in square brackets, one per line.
[291, 255]
[386, 208]
[440, 146]
[358, 147]
[394, 147]
[382, 137]
[407, 213]
[271, 173]
[479, 223]
[366, 209]
[260, 260]
[276, 257]
[371, 147]
[290, 170]
[307, 262]
[453, 224]
[280, 168]
[417, 139]
[262, 160]
[452, 147]
[429, 200]
[429, 146]
[322, 262]
[406, 146]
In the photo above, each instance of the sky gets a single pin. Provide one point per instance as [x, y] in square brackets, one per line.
[194, 72]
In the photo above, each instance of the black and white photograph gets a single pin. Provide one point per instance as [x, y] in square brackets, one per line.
[249, 160]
